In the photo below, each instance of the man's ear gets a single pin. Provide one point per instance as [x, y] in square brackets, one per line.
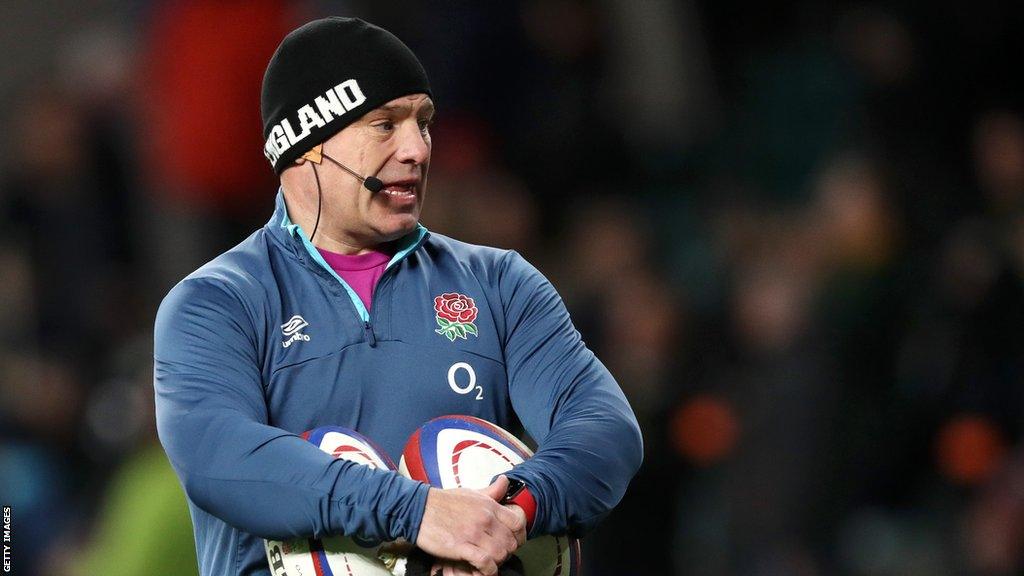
[315, 155]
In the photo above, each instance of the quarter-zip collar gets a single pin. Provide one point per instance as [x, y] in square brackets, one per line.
[291, 234]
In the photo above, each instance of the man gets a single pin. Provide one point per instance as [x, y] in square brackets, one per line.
[344, 310]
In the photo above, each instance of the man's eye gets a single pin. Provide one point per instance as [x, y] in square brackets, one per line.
[387, 126]
[425, 125]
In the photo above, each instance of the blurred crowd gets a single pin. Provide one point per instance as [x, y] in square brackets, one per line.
[794, 232]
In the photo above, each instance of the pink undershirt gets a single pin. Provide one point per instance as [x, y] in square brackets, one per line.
[361, 271]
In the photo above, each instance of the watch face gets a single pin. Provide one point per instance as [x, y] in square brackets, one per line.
[514, 488]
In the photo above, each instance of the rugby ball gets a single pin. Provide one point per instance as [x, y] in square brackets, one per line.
[334, 555]
[467, 452]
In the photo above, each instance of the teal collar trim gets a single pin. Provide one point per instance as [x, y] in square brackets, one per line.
[406, 245]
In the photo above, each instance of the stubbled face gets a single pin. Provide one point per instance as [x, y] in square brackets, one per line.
[392, 143]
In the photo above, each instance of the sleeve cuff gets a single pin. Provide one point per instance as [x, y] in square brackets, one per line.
[409, 528]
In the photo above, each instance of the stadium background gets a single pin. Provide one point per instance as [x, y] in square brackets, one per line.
[794, 231]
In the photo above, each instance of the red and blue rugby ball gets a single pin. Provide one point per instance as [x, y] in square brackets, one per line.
[334, 555]
[468, 452]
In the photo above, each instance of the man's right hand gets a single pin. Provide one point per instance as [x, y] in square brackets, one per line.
[470, 525]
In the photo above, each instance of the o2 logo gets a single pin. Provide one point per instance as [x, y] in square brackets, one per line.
[454, 377]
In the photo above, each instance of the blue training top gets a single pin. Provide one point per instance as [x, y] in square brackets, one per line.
[266, 342]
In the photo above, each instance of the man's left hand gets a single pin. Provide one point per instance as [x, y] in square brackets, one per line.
[464, 569]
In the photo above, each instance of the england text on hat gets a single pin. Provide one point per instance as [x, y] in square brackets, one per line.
[333, 103]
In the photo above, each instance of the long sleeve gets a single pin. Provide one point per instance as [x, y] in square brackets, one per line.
[589, 440]
[213, 422]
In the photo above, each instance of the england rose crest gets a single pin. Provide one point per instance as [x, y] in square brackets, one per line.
[455, 315]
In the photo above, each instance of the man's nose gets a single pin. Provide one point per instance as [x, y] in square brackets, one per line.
[413, 144]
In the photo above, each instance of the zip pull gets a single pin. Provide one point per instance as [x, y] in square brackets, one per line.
[370, 336]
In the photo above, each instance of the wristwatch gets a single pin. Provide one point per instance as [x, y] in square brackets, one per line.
[515, 487]
[520, 495]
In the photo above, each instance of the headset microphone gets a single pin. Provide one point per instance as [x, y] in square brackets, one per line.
[372, 183]
[316, 156]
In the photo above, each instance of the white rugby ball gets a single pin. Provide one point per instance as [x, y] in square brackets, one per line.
[334, 555]
[467, 452]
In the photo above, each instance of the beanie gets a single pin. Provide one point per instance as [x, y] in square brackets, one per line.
[326, 75]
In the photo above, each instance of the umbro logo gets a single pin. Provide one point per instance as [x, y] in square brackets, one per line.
[291, 330]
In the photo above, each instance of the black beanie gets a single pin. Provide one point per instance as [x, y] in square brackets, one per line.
[326, 75]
